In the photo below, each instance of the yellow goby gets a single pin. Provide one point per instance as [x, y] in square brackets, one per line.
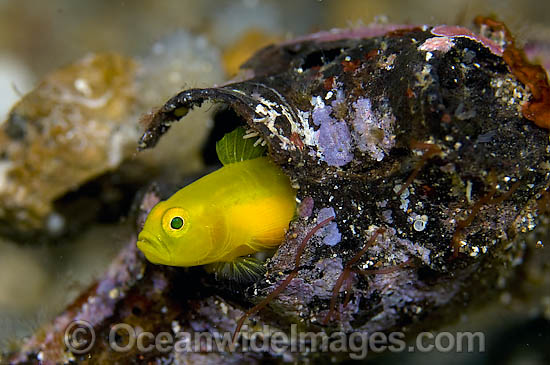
[240, 209]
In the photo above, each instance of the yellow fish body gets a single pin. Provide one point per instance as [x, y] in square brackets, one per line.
[242, 208]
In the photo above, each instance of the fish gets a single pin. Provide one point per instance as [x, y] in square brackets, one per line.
[221, 219]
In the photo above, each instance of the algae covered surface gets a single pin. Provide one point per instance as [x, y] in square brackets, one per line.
[422, 187]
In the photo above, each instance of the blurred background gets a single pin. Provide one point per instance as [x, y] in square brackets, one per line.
[210, 38]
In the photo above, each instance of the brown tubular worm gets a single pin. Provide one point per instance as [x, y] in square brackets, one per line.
[345, 276]
[485, 200]
[278, 290]
[431, 150]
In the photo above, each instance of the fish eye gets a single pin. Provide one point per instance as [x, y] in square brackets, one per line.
[176, 223]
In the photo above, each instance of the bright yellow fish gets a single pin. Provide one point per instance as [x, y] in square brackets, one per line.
[242, 208]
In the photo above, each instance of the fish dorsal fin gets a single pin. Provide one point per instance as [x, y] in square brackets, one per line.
[234, 147]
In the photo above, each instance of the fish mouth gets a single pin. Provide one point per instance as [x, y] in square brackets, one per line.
[154, 249]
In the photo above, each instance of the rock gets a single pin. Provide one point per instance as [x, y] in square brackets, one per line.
[70, 129]
[81, 123]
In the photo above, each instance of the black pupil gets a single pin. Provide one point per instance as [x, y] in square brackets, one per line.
[176, 223]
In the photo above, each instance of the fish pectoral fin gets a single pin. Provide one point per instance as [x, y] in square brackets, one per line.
[236, 147]
[267, 221]
[242, 269]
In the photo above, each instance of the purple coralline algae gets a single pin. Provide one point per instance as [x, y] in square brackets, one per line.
[334, 139]
[372, 131]
[321, 113]
[330, 234]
